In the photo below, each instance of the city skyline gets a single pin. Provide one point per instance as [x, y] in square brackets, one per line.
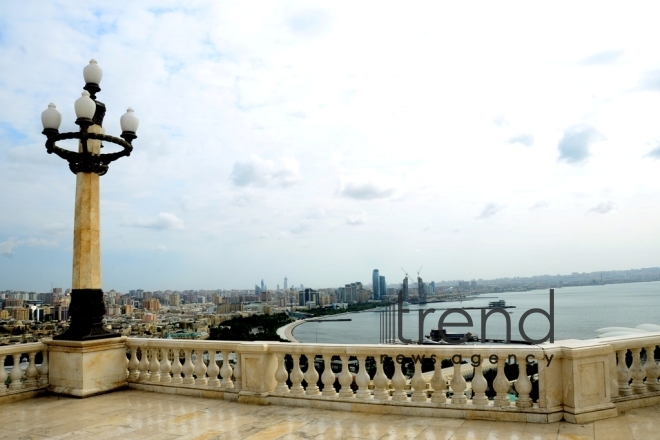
[322, 141]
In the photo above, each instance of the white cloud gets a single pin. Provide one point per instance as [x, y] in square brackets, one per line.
[303, 225]
[358, 219]
[490, 210]
[163, 221]
[365, 190]
[7, 246]
[261, 173]
[602, 208]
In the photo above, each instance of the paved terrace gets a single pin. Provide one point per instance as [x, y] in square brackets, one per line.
[132, 414]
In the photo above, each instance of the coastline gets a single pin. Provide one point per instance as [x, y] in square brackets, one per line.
[286, 332]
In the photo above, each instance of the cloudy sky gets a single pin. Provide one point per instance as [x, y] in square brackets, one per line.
[323, 140]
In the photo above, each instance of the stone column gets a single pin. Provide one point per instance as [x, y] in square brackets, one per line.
[87, 307]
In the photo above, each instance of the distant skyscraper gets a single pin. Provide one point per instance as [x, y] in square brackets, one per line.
[432, 284]
[405, 288]
[382, 287]
[376, 284]
[257, 290]
[421, 289]
[263, 286]
[286, 286]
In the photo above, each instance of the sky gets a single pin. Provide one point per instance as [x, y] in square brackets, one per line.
[321, 140]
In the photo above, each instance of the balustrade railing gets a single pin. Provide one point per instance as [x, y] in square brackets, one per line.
[637, 369]
[364, 373]
[182, 363]
[24, 368]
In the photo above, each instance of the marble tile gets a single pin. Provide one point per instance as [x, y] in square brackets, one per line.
[132, 414]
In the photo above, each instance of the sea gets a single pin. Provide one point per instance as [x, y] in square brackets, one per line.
[578, 313]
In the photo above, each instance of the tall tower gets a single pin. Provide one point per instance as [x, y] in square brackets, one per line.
[376, 284]
[382, 288]
[405, 288]
[263, 287]
[421, 288]
[286, 286]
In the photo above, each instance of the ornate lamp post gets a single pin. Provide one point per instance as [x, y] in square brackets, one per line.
[88, 164]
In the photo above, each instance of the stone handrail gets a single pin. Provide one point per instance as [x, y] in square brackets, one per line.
[16, 380]
[641, 377]
[259, 373]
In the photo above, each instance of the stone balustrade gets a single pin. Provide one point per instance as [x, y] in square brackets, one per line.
[165, 365]
[23, 377]
[574, 380]
[258, 372]
[635, 371]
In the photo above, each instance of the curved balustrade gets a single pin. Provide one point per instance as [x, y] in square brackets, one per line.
[23, 373]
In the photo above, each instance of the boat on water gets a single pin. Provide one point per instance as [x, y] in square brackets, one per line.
[451, 338]
[499, 304]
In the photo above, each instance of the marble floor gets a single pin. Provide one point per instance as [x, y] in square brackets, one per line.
[131, 414]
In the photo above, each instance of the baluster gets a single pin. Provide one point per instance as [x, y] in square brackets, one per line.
[296, 377]
[458, 385]
[3, 375]
[238, 384]
[523, 386]
[328, 377]
[362, 379]
[16, 374]
[623, 373]
[281, 375]
[200, 369]
[418, 383]
[177, 368]
[133, 366]
[165, 366]
[652, 370]
[226, 371]
[213, 369]
[439, 384]
[501, 384]
[143, 366]
[479, 386]
[399, 383]
[345, 378]
[188, 368]
[154, 366]
[43, 369]
[31, 371]
[637, 372]
[381, 382]
[311, 376]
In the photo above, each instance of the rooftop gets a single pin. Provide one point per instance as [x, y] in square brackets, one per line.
[133, 414]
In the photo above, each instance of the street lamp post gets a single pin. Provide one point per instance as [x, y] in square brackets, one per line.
[88, 164]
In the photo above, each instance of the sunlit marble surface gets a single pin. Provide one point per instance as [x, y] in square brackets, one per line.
[131, 414]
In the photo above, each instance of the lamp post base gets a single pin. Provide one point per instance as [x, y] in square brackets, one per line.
[86, 312]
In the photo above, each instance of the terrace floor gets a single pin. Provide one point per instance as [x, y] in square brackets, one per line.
[131, 414]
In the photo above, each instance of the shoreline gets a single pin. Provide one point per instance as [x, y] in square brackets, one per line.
[286, 332]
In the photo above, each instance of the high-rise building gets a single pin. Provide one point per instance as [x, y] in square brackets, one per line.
[405, 288]
[432, 284]
[263, 286]
[382, 287]
[286, 286]
[376, 284]
[421, 289]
